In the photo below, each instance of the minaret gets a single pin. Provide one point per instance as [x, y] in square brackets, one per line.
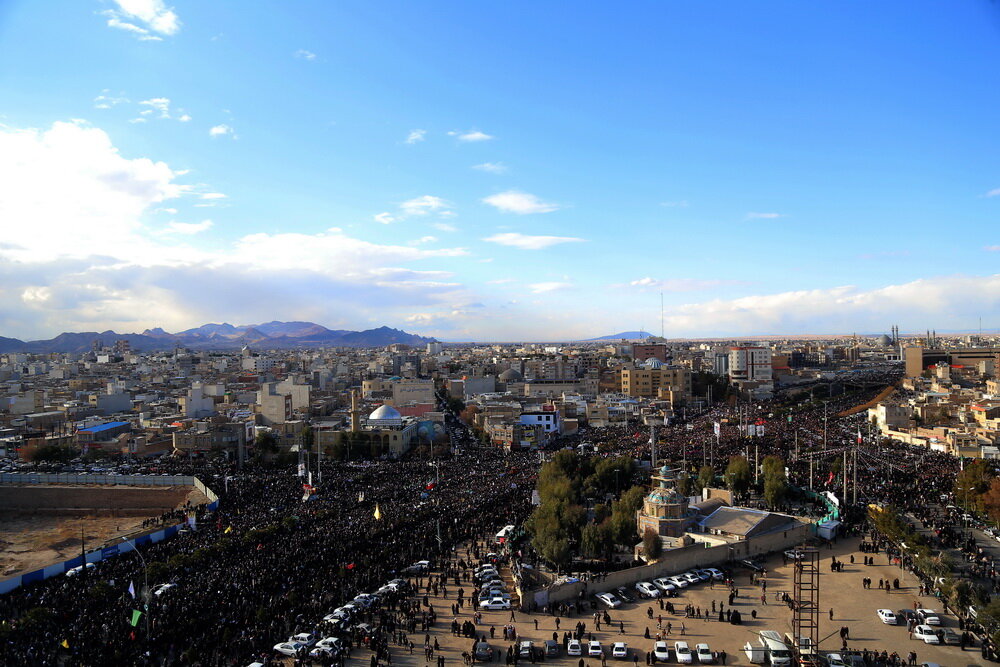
[355, 413]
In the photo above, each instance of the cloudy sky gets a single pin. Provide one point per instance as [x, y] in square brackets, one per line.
[500, 171]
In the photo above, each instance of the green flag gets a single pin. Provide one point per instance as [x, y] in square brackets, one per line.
[136, 614]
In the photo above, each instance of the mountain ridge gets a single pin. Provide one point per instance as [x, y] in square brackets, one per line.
[225, 336]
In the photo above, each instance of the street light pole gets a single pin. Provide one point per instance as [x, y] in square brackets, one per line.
[147, 594]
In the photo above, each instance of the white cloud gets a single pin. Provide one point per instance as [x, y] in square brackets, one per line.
[995, 192]
[385, 218]
[184, 118]
[681, 284]
[425, 205]
[764, 216]
[221, 131]
[444, 227]
[212, 195]
[541, 288]
[305, 55]
[992, 248]
[422, 240]
[153, 15]
[106, 101]
[500, 281]
[159, 105]
[529, 242]
[416, 136]
[81, 256]
[471, 135]
[188, 228]
[491, 167]
[520, 203]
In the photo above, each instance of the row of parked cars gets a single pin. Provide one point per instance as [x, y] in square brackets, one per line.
[493, 592]
[661, 587]
[328, 640]
[927, 625]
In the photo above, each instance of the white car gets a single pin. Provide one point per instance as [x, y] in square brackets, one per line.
[691, 577]
[678, 581]
[574, 647]
[76, 571]
[928, 617]
[926, 633]
[288, 648]
[304, 638]
[704, 654]
[496, 603]
[163, 588]
[594, 649]
[647, 590]
[887, 616]
[619, 650]
[664, 585]
[684, 656]
[661, 651]
[326, 646]
[715, 574]
[609, 599]
[701, 574]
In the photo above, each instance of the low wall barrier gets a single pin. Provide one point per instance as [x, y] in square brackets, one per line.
[108, 550]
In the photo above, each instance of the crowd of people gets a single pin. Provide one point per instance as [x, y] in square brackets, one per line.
[267, 564]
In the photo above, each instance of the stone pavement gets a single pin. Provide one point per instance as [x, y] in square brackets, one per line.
[853, 607]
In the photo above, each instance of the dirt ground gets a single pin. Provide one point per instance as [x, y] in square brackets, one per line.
[853, 607]
[30, 542]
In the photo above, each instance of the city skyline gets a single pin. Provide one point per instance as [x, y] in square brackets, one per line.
[499, 174]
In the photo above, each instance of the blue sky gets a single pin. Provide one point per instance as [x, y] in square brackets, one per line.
[500, 172]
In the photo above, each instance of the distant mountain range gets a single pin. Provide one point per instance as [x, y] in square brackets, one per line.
[626, 335]
[268, 336]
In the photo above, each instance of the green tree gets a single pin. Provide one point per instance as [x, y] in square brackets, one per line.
[971, 483]
[685, 485]
[706, 476]
[652, 546]
[53, 453]
[601, 512]
[738, 476]
[595, 541]
[775, 481]
[631, 501]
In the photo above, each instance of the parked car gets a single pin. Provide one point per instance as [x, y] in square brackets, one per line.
[496, 603]
[526, 650]
[647, 590]
[594, 649]
[665, 585]
[619, 650]
[699, 574]
[683, 653]
[624, 595]
[574, 647]
[661, 651]
[552, 648]
[288, 648]
[887, 616]
[926, 633]
[928, 617]
[718, 575]
[704, 654]
[678, 581]
[609, 600]
[950, 637]
[483, 652]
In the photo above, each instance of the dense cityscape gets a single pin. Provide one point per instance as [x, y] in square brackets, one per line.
[344, 491]
[378, 333]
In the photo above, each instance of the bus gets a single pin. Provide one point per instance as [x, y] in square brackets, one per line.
[504, 534]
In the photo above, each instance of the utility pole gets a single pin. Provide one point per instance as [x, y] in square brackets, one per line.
[824, 424]
[855, 502]
[811, 472]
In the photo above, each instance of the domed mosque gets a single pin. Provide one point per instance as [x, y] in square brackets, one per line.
[665, 510]
[385, 416]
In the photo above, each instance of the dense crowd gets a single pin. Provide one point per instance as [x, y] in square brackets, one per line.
[267, 564]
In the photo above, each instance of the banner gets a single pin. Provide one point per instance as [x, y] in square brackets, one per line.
[717, 427]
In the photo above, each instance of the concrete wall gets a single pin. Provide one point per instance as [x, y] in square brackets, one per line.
[685, 558]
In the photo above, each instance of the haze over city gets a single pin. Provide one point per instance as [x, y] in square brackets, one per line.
[483, 173]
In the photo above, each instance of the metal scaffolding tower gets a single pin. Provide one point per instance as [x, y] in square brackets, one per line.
[805, 594]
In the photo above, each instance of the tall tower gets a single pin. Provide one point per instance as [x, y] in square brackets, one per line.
[355, 412]
[664, 510]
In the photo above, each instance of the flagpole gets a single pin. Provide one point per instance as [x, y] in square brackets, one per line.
[145, 584]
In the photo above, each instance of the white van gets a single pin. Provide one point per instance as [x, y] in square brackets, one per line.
[504, 534]
[777, 650]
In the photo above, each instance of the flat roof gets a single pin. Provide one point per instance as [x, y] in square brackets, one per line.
[103, 427]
